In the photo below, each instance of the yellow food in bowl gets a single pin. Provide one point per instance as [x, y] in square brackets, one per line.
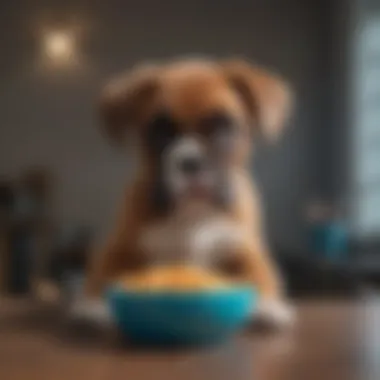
[173, 278]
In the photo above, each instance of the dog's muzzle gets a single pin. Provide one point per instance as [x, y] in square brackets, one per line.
[186, 169]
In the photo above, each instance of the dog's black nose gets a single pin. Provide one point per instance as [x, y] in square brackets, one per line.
[190, 165]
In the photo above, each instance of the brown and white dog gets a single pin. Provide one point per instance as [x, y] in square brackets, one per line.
[193, 199]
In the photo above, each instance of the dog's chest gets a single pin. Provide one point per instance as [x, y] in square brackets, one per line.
[192, 235]
[172, 239]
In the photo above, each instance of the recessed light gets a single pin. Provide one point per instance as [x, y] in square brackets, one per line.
[59, 46]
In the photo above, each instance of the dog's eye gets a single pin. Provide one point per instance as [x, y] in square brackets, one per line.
[161, 131]
[216, 124]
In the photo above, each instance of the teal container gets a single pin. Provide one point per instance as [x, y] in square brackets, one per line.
[172, 318]
[329, 240]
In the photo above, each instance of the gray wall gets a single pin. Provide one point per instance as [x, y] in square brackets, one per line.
[50, 118]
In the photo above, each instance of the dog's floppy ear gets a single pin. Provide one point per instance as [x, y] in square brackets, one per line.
[125, 98]
[266, 96]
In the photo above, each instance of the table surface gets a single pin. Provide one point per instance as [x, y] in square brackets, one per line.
[332, 340]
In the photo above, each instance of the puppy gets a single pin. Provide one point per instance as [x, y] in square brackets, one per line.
[193, 199]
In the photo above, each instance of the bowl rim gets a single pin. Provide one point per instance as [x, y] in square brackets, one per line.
[182, 294]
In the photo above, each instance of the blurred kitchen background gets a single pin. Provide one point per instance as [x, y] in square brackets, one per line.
[61, 183]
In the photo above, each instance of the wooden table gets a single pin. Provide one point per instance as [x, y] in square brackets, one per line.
[333, 340]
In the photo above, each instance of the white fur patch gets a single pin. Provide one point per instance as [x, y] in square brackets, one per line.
[215, 238]
[183, 148]
[275, 313]
[193, 234]
[91, 310]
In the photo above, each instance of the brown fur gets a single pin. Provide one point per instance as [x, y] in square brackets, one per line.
[191, 90]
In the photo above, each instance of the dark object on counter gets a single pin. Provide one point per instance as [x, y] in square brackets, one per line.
[7, 198]
[69, 261]
[30, 227]
[20, 261]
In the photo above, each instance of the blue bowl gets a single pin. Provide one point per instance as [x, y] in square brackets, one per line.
[172, 318]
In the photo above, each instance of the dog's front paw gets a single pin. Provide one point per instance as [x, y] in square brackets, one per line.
[90, 310]
[275, 314]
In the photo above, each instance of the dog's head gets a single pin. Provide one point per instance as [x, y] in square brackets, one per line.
[194, 119]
